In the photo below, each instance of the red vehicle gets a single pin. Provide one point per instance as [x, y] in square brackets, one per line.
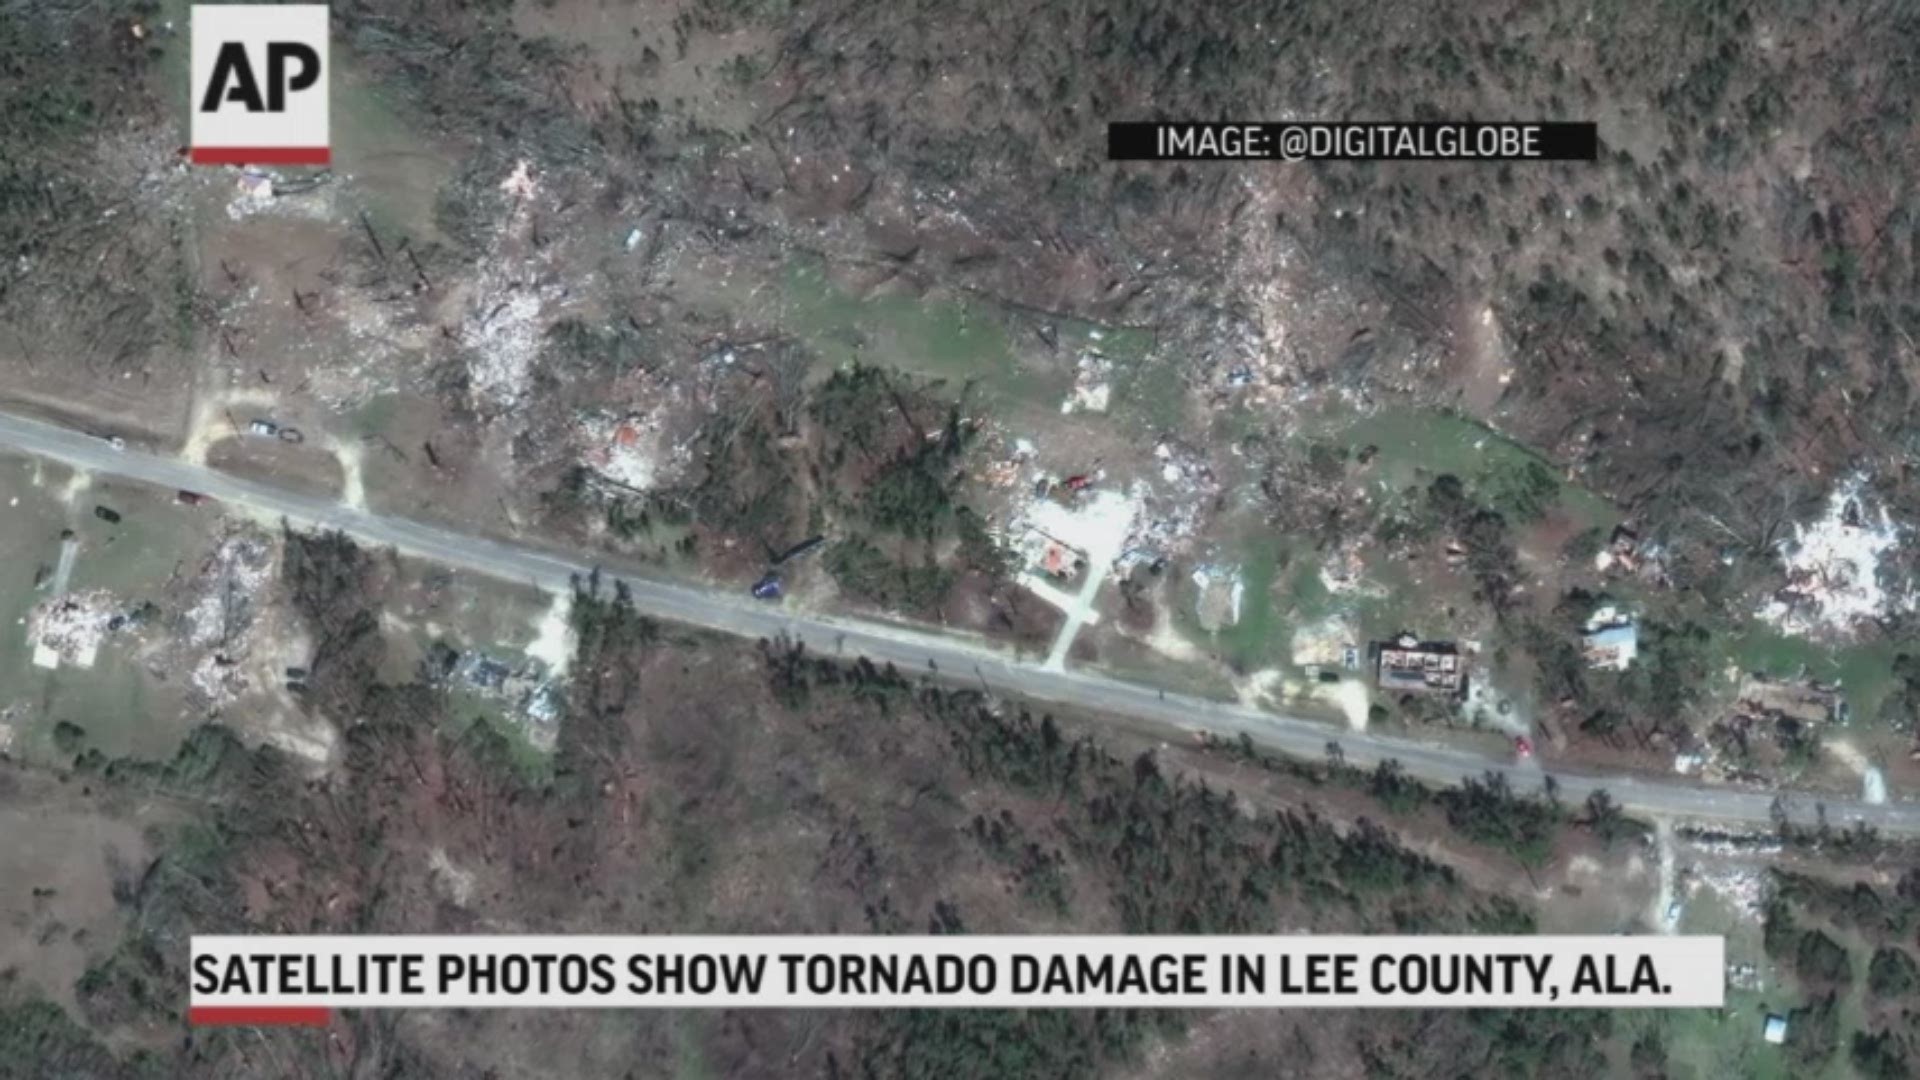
[1075, 483]
[1523, 746]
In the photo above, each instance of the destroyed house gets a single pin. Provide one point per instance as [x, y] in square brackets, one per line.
[483, 672]
[1051, 556]
[1409, 665]
[1804, 700]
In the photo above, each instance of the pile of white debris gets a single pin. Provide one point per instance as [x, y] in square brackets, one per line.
[1171, 510]
[221, 621]
[232, 578]
[1834, 567]
[504, 329]
[510, 306]
[1096, 523]
[1087, 516]
[257, 191]
[631, 451]
[69, 629]
[1092, 384]
[1735, 873]
[1220, 591]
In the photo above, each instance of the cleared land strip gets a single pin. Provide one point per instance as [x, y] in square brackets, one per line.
[961, 659]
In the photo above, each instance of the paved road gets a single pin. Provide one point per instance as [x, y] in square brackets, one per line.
[966, 659]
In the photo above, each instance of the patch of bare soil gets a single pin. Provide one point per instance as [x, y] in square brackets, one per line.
[143, 413]
[69, 861]
[1003, 610]
[305, 467]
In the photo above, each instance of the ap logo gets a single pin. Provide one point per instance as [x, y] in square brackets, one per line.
[260, 84]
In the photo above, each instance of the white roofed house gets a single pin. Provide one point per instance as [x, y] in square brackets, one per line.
[1774, 1030]
[1611, 639]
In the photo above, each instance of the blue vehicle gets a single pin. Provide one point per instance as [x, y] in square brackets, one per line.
[767, 588]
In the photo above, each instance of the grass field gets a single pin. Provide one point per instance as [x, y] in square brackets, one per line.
[954, 338]
[155, 537]
[30, 534]
[1282, 590]
[1258, 640]
[397, 169]
[1726, 1042]
[1417, 445]
[1865, 672]
[124, 709]
[963, 338]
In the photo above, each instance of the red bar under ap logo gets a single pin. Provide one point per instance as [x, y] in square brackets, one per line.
[258, 1016]
[261, 155]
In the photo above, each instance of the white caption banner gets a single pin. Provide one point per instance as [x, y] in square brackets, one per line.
[380, 972]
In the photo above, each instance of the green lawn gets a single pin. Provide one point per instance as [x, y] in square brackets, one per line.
[398, 170]
[954, 338]
[154, 537]
[1256, 641]
[1705, 1044]
[964, 338]
[124, 710]
[1415, 445]
[30, 534]
[1864, 671]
